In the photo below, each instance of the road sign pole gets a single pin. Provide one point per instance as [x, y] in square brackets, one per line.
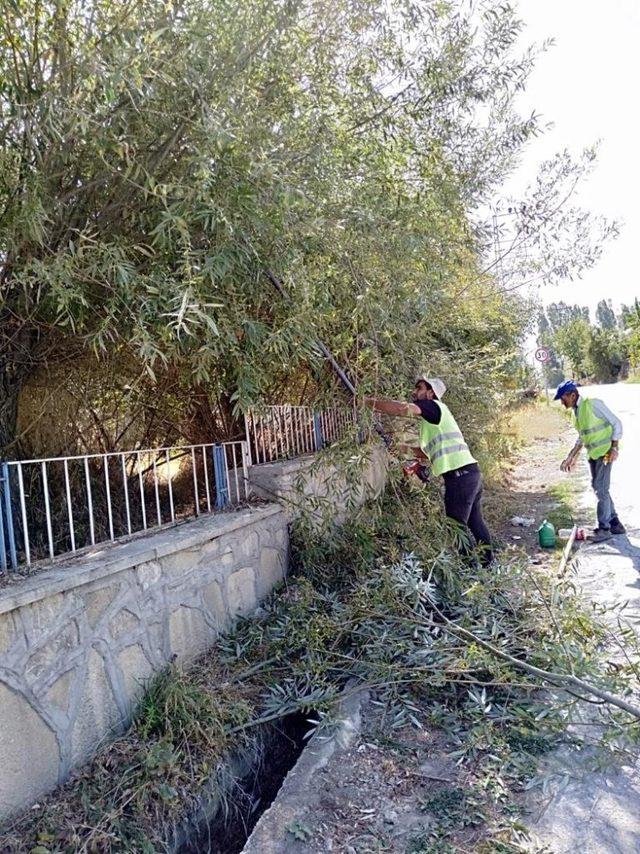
[542, 356]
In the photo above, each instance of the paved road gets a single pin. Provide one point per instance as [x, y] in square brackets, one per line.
[600, 813]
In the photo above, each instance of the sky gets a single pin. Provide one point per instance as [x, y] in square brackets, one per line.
[587, 86]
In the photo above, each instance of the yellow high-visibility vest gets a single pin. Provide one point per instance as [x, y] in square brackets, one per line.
[444, 443]
[595, 433]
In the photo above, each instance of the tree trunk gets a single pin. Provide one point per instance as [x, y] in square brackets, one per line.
[9, 394]
[210, 421]
[16, 364]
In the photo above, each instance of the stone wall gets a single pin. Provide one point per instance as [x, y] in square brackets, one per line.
[322, 488]
[78, 642]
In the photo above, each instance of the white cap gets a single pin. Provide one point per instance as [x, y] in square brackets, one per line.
[436, 384]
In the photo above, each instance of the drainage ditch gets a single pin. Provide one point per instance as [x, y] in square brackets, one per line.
[225, 822]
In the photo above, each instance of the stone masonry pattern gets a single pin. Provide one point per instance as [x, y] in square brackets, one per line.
[79, 641]
[72, 663]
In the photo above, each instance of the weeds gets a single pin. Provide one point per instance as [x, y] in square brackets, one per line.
[134, 792]
[563, 494]
[423, 843]
[176, 709]
[454, 808]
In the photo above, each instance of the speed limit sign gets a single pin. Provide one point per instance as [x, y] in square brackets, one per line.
[542, 354]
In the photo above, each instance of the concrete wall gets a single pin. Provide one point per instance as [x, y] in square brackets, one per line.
[77, 642]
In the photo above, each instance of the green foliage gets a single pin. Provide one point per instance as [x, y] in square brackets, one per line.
[424, 843]
[607, 352]
[454, 808]
[605, 315]
[631, 320]
[560, 314]
[159, 158]
[179, 712]
[573, 341]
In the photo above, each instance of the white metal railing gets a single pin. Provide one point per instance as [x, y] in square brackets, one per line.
[282, 432]
[58, 505]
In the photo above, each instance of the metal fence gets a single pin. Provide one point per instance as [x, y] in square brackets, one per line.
[283, 432]
[55, 506]
[58, 505]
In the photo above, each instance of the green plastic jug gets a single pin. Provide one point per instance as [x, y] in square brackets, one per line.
[547, 535]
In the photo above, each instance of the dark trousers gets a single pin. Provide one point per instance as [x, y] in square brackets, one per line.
[463, 503]
[601, 481]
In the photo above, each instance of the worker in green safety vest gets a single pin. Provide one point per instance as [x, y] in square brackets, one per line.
[599, 431]
[441, 441]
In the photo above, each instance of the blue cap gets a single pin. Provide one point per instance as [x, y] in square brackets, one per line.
[564, 388]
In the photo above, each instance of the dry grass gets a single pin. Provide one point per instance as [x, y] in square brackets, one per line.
[137, 789]
[535, 422]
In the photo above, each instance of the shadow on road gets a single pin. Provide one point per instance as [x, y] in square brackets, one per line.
[627, 545]
[609, 573]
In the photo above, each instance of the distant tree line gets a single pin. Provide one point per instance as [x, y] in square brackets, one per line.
[600, 350]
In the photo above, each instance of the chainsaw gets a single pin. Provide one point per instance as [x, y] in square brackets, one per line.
[420, 470]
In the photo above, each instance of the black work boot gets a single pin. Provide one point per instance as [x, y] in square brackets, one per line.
[617, 527]
[600, 535]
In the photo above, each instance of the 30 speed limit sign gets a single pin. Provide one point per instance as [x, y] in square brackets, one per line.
[542, 354]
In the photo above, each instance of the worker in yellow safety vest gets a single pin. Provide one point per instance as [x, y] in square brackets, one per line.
[599, 431]
[442, 442]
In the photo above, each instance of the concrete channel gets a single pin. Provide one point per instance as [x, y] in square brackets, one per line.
[261, 791]
[271, 834]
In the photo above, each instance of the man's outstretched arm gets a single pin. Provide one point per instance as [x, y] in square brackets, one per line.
[568, 463]
[393, 407]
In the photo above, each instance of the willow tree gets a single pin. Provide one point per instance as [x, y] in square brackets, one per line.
[158, 157]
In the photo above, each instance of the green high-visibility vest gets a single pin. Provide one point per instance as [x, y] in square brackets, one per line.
[444, 443]
[595, 433]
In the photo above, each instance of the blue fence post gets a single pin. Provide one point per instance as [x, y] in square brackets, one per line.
[3, 546]
[317, 429]
[10, 532]
[220, 474]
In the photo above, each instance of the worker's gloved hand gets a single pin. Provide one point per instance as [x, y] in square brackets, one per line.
[410, 467]
[568, 463]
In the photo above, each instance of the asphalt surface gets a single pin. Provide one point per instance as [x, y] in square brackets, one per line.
[593, 812]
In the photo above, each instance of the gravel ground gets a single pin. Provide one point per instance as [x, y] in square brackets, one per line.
[386, 792]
